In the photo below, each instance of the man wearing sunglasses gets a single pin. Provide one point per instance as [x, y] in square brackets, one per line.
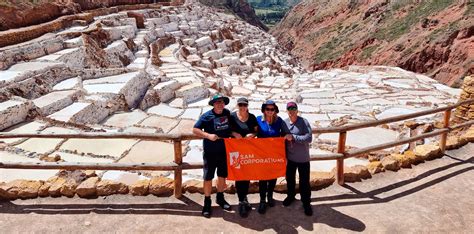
[213, 126]
[298, 139]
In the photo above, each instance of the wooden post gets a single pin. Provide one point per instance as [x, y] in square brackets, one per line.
[412, 145]
[341, 148]
[444, 136]
[178, 173]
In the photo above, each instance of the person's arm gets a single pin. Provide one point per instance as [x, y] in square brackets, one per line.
[285, 132]
[236, 135]
[307, 137]
[200, 133]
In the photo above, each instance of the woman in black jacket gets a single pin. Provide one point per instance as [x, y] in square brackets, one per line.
[244, 125]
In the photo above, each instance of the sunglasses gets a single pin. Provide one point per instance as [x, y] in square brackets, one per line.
[243, 104]
[292, 108]
[270, 109]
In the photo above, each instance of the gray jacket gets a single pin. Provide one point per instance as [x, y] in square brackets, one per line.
[298, 149]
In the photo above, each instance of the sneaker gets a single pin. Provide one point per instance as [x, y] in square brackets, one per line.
[262, 207]
[243, 211]
[206, 210]
[288, 201]
[308, 210]
[223, 203]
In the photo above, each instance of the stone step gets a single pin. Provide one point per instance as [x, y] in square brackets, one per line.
[118, 54]
[165, 110]
[55, 101]
[180, 74]
[180, 69]
[68, 84]
[138, 63]
[23, 71]
[192, 92]
[73, 57]
[81, 113]
[162, 92]
[172, 66]
[13, 112]
[132, 86]
[73, 43]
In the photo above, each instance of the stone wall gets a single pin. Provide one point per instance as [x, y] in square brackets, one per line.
[466, 112]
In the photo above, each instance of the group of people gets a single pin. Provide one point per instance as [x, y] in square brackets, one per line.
[219, 123]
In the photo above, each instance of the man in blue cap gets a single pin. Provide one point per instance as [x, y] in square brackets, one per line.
[213, 126]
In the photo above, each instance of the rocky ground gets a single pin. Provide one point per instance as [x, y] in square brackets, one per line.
[432, 37]
[435, 196]
[152, 71]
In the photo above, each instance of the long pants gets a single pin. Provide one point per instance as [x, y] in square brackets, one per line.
[242, 187]
[303, 171]
[266, 188]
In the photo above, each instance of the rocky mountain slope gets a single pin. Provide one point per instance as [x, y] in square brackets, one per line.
[431, 37]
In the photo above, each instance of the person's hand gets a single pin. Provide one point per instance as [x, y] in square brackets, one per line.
[288, 137]
[238, 136]
[212, 137]
[250, 135]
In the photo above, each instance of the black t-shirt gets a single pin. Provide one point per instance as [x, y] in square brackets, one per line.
[243, 128]
[218, 124]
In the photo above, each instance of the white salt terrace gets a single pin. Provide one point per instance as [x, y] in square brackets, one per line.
[125, 92]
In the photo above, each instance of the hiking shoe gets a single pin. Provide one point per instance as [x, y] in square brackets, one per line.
[206, 209]
[308, 210]
[223, 203]
[248, 207]
[262, 207]
[243, 211]
[270, 201]
[288, 201]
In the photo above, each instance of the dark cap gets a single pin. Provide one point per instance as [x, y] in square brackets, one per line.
[291, 104]
[216, 97]
[242, 100]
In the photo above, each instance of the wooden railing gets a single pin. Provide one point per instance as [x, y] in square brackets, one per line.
[178, 165]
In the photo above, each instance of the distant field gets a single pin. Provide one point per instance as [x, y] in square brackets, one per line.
[271, 16]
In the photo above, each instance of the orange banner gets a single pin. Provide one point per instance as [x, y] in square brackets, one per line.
[255, 158]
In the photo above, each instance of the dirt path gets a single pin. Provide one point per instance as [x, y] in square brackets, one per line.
[433, 196]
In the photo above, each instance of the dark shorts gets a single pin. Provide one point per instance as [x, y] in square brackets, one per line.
[213, 162]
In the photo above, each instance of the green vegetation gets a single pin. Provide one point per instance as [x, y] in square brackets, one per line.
[270, 12]
[271, 16]
[470, 8]
[444, 31]
[337, 45]
[330, 50]
[368, 51]
[397, 28]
